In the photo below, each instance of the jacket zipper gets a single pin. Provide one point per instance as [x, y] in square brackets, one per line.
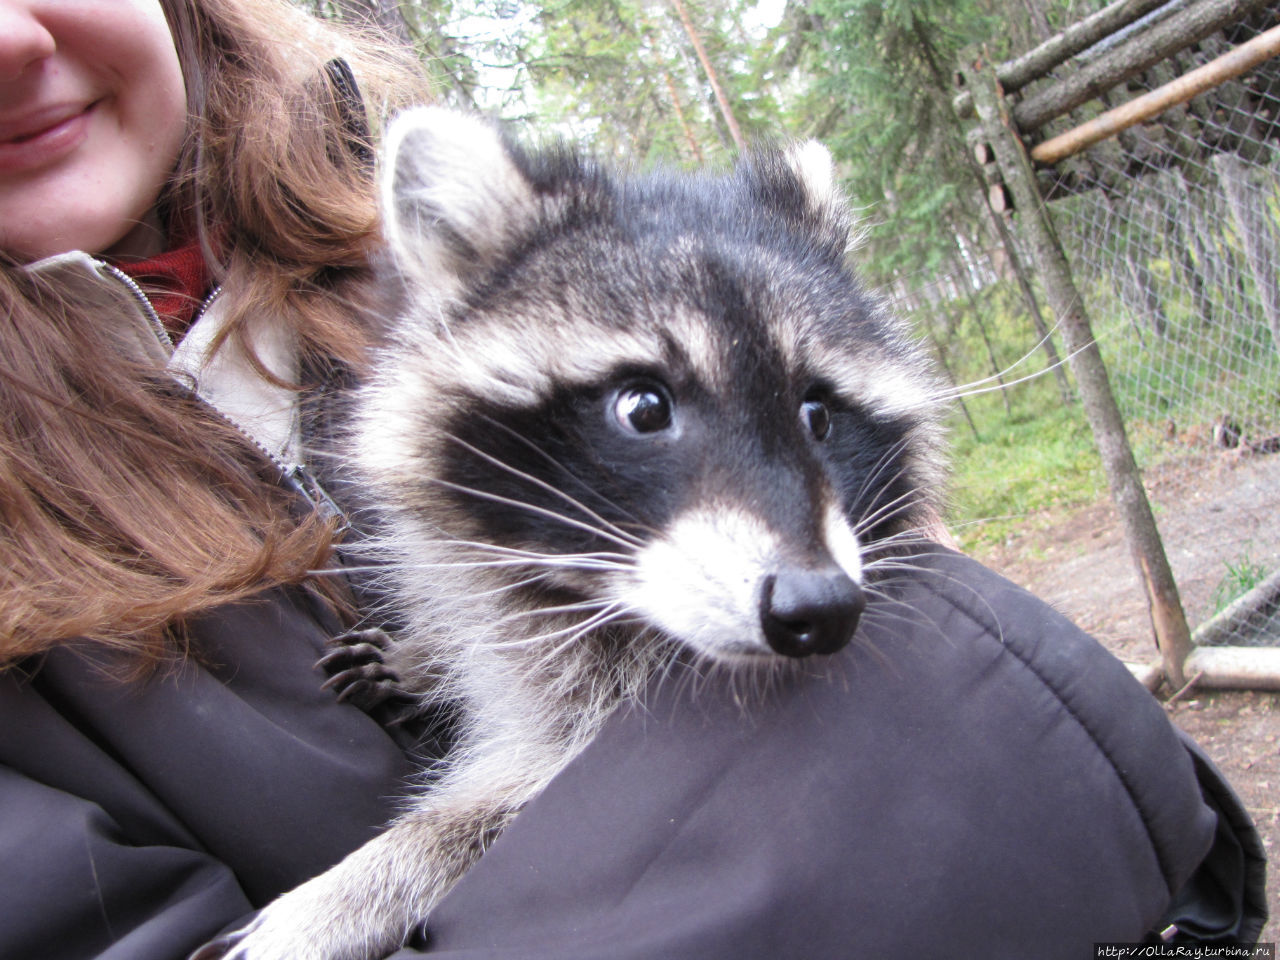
[296, 476]
[153, 318]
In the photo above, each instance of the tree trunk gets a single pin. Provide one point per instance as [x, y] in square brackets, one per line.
[712, 77]
[687, 130]
[940, 352]
[962, 279]
[1178, 241]
[997, 222]
[1168, 620]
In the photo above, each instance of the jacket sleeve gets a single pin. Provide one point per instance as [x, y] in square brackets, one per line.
[1224, 901]
[74, 885]
[140, 819]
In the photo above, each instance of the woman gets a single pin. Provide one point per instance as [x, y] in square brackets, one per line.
[157, 636]
[169, 761]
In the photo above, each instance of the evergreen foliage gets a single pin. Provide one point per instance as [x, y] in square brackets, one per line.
[667, 81]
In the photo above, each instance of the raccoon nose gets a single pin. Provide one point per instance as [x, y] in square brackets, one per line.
[805, 611]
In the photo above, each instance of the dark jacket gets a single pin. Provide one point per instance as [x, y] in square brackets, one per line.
[140, 819]
[973, 778]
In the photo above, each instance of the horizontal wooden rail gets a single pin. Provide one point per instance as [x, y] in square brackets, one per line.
[1017, 73]
[1235, 668]
[1136, 54]
[1240, 60]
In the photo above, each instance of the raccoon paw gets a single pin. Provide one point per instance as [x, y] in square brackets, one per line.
[320, 920]
[356, 669]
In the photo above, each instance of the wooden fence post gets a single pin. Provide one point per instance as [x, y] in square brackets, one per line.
[1164, 606]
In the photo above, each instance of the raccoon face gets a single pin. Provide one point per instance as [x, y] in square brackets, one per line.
[662, 401]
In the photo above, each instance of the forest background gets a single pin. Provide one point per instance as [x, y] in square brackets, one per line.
[691, 82]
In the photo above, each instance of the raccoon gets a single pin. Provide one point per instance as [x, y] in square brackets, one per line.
[622, 419]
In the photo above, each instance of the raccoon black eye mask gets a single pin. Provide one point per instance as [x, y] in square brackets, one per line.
[621, 420]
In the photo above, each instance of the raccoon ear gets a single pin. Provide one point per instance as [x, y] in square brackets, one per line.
[452, 199]
[799, 183]
[811, 162]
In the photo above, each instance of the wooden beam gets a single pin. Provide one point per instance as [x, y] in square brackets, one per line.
[1168, 621]
[1141, 51]
[1150, 675]
[1214, 73]
[1017, 73]
[1235, 668]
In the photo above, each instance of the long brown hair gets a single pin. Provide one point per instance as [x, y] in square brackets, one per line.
[126, 506]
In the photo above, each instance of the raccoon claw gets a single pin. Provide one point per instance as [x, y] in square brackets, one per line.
[356, 669]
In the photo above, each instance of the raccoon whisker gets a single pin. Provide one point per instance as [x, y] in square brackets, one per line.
[874, 476]
[911, 537]
[918, 570]
[962, 389]
[887, 511]
[563, 608]
[506, 587]
[897, 559]
[885, 609]
[984, 385]
[607, 618]
[884, 567]
[628, 542]
[977, 390]
[502, 565]
[424, 565]
[576, 630]
[542, 485]
[515, 435]
[620, 559]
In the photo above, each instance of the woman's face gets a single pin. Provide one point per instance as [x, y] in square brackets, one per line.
[92, 116]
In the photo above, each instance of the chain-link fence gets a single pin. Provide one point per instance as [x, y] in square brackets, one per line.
[1172, 229]
[1172, 233]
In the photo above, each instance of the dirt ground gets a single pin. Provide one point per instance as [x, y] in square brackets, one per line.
[1213, 508]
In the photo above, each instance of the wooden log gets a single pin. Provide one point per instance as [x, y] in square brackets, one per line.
[1235, 668]
[1240, 60]
[1150, 675]
[1234, 619]
[1170, 9]
[1017, 73]
[1168, 621]
[1131, 58]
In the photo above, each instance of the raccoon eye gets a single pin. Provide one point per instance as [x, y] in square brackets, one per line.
[816, 417]
[643, 408]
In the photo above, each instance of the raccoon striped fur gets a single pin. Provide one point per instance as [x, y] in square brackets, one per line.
[622, 419]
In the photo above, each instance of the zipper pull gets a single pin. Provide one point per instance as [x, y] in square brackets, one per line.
[302, 482]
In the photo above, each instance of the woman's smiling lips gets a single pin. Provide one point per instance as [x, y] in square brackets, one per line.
[41, 137]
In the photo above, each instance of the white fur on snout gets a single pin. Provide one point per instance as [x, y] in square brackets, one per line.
[842, 542]
[700, 583]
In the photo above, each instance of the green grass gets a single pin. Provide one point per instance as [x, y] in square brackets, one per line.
[1036, 455]
[1024, 464]
[1241, 577]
